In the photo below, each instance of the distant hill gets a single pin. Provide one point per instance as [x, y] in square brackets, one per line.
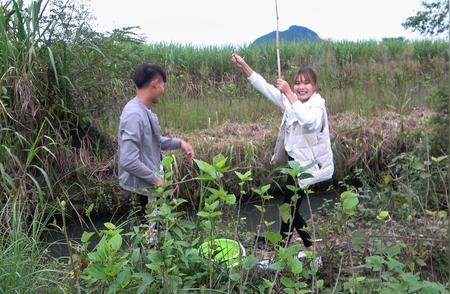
[293, 34]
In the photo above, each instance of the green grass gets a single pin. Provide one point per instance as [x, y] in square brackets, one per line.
[362, 77]
[24, 263]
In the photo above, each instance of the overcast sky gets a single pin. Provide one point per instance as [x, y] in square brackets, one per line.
[239, 22]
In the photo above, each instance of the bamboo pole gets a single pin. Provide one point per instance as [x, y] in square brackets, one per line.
[278, 40]
[278, 49]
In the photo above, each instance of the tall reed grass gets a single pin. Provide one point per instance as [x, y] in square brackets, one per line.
[362, 77]
[24, 263]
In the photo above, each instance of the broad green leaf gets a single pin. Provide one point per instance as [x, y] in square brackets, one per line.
[434, 287]
[95, 271]
[204, 177]
[124, 277]
[86, 236]
[146, 278]
[277, 266]
[424, 175]
[154, 266]
[304, 176]
[195, 241]
[349, 202]
[244, 177]
[416, 164]
[383, 215]
[285, 212]
[439, 159]
[394, 265]
[219, 161]
[136, 255]
[115, 242]
[235, 277]
[359, 280]
[442, 214]
[110, 226]
[207, 225]
[287, 282]
[265, 188]
[292, 188]
[215, 191]
[429, 212]
[267, 283]
[268, 224]
[155, 256]
[167, 160]
[215, 214]
[295, 265]
[287, 253]
[388, 180]
[261, 191]
[250, 262]
[412, 281]
[273, 237]
[375, 262]
[203, 166]
[358, 240]
[267, 197]
[182, 244]
[113, 288]
[203, 214]
[230, 199]
[213, 206]
[394, 250]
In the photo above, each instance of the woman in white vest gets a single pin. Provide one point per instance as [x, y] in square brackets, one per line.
[304, 129]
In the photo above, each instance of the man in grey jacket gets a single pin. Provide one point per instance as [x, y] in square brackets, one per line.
[140, 139]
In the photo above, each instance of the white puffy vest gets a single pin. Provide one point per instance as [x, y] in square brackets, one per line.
[312, 146]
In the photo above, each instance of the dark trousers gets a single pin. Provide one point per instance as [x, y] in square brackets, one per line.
[298, 223]
[138, 203]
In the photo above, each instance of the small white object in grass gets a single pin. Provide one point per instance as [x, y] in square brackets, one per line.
[264, 264]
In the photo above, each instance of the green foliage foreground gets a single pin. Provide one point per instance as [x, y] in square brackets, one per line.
[125, 263]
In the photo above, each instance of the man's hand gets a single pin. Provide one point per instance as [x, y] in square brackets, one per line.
[159, 181]
[188, 150]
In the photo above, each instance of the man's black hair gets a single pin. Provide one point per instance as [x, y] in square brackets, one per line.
[146, 73]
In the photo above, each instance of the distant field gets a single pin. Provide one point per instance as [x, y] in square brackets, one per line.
[204, 89]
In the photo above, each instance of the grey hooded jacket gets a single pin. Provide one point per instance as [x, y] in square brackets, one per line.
[140, 144]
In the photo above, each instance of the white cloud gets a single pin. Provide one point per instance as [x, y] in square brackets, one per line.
[213, 22]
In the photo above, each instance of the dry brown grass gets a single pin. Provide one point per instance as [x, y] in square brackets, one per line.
[367, 143]
[423, 250]
[370, 143]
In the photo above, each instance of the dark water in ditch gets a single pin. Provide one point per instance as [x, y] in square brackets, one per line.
[319, 202]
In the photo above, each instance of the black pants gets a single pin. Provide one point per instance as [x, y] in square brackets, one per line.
[138, 204]
[298, 222]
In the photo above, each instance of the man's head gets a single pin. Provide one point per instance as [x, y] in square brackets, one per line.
[149, 80]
